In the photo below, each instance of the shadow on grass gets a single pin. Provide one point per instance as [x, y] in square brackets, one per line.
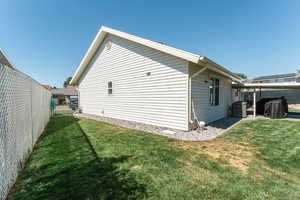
[83, 181]
[82, 175]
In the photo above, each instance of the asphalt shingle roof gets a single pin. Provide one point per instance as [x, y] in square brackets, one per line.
[290, 75]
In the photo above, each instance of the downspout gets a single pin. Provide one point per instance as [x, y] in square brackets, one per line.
[78, 92]
[190, 93]
[78, 96]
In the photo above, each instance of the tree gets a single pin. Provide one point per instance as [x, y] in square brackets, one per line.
[244, 76]
[67, 82]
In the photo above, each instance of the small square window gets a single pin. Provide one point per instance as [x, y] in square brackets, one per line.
[109, 87]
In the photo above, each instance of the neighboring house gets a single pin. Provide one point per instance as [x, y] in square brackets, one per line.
[279, 78]
[48, 87]
[292, 95]
[130, 78]
[62, 95]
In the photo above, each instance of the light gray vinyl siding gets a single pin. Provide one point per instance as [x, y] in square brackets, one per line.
[200, 95]
[159, 99]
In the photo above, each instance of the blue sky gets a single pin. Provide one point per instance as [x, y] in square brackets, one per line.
[47, 39]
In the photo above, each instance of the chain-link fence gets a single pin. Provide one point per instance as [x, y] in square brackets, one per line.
[24, 112]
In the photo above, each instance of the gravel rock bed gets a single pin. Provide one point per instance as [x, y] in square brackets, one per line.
[210, 132]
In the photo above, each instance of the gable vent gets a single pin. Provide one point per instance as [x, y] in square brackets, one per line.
[108, 45]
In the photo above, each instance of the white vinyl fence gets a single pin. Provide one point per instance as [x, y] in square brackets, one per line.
[24, 113]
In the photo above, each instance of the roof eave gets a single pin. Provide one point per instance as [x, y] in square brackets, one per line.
[194, 58]
[155, 45]
[5, 59]
[88, 56]
[218, 68]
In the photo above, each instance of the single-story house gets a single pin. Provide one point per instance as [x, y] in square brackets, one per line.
[63, 95]
[277, 78]
[126, 77]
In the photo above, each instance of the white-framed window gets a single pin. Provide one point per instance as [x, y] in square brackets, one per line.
[236, 93]
[214, 91]
[109, 87]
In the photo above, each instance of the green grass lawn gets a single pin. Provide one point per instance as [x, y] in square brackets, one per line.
[294, 111]
[63, 112]
[86, 159]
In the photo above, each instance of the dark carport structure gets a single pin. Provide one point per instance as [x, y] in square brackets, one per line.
[257, 87]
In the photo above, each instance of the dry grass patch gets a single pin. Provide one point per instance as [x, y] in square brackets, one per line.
[236, 155]
[137, 167]
[200, 174]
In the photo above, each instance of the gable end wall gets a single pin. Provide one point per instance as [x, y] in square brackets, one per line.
[159, 99]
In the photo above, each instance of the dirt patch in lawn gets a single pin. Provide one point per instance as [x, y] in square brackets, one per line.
[294, 106]
[137, 167]
[236, 155]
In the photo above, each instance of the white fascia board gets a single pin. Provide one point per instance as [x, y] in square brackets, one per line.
[88, 56]
[6, 61]
[218, 68]
[194, 58]
[156, 45]
[225, 74]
